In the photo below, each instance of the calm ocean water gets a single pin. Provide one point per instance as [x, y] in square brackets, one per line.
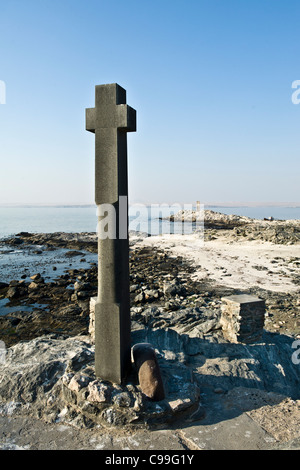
[84, 219]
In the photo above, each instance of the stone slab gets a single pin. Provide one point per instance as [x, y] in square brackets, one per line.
[242, 318]
[243, 299]
[232, 433]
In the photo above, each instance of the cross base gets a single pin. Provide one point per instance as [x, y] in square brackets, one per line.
[112, 342]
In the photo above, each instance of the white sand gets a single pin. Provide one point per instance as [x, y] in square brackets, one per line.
[233, 264]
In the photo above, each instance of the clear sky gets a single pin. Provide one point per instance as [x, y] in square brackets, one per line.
[211, 81]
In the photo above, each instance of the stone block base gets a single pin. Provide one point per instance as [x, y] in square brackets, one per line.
[109, 329]
[242, 318]
[112, 341]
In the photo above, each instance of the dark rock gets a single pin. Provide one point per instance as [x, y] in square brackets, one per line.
[71, 254]
[83, 294]
[82, 286]
[14, 321]
[16, 241]
[24, 234]
[148, 370]
[173, 288]
[13, 293]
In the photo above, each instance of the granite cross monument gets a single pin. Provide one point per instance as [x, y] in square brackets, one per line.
[110, 120]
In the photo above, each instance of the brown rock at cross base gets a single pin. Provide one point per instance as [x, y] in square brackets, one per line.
[148, 370]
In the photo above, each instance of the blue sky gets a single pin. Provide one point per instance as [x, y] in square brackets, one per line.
[211, 81]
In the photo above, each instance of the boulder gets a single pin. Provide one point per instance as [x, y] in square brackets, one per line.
[148, 371]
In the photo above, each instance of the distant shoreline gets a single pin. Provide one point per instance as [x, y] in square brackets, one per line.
[54, 206]
[206, 204]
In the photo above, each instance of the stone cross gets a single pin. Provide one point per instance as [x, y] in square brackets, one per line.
[110, 120]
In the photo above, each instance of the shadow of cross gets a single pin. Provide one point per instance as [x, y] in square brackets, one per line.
[110, 120]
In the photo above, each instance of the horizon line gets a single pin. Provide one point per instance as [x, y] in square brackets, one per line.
[209, 204]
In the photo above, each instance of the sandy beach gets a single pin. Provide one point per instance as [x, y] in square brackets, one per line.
[241, 264]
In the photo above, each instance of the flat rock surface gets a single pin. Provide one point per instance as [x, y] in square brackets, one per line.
[230, 430]
[244, 402]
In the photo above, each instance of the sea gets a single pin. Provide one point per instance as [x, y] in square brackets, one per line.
[143, 218]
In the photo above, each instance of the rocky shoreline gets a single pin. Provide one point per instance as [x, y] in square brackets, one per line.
[172, 308]
[238, 227]
[158, 280]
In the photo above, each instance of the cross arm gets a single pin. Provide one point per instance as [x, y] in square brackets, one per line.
[126, 118]
[122, 117]
[90, 119]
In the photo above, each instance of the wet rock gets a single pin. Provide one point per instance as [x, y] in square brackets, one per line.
[17, 289]
[71, 254]
[33, 285]
[69, 310]
[12, 293]
[82, 286]
[15, 241]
